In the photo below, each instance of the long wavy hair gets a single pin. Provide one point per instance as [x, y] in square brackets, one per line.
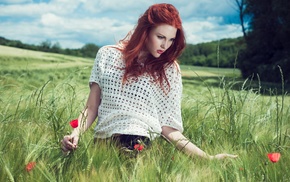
[134, 42]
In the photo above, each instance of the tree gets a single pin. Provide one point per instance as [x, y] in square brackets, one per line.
[241, 5]
[89, 50]
[45, 46]
[56, 48]
[267, 41]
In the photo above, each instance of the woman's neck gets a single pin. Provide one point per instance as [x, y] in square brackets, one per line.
[143, 56]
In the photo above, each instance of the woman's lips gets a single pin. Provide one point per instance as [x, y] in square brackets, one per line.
[160, 51]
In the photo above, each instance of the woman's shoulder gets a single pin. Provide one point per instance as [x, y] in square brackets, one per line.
[110, 49]
[109, 55]
[174, 67]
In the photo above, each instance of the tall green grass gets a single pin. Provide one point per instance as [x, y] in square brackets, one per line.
[220, 113]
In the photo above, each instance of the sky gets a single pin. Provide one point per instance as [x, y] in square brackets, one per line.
[74, 23]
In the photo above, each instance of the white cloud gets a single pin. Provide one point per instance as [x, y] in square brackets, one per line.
[37, 9]
[210, 29]
[15, 1]
[127, 6]
[50, 19]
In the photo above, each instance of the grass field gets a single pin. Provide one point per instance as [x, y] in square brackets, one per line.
[41, 92]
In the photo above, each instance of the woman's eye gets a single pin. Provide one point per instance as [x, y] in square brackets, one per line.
[160, 37]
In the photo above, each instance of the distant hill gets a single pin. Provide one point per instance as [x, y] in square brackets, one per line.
[12, 58]
[89, 50]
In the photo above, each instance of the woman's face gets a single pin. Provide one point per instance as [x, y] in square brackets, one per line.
[160, 39]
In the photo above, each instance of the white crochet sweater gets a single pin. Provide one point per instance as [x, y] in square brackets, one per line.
[138, 107]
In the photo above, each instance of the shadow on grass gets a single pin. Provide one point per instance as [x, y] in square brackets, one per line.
[238, 84]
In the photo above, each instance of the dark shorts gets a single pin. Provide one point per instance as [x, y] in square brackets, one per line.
[129, 141]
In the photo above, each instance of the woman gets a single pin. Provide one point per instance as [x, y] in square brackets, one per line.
[136, 86]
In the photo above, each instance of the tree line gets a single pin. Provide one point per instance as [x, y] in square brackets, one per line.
[222, 53]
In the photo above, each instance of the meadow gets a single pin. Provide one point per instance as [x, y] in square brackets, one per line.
[40, 93]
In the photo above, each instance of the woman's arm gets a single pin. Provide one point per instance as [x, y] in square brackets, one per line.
[185, 145]
[86, 118]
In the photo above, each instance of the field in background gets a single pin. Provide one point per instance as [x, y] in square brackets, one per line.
[41, 92]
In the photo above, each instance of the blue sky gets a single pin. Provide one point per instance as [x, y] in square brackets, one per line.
[74, 23]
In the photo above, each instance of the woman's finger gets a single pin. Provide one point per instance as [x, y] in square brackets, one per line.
[75, 142]
[223, 156]
[232, 156]
[66, 143]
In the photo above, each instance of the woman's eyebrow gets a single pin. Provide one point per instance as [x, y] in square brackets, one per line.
[160, 34]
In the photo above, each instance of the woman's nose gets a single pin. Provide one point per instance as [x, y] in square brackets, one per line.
[163, 45]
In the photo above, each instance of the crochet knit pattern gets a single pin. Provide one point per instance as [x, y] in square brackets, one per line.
[138, 107]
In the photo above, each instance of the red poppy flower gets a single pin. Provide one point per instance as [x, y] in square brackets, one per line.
[274, 157]
[30, 166]
[74, 123]
[138, 147]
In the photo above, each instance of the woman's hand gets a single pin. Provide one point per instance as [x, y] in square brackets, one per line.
[69, 143]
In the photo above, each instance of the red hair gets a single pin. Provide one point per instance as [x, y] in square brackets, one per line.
[134, 42]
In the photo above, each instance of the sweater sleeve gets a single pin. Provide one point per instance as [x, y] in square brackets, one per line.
[99, 66]
[169, 103]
